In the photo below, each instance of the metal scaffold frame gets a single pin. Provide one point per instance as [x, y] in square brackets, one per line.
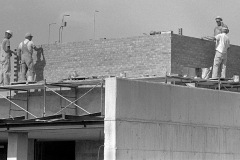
[92, 84]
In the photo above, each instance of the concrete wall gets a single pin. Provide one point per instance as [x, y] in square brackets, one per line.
[136, 56]
[198, 53]
[159, 121]
[90, 102]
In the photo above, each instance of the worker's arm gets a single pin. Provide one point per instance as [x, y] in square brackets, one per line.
[228, 47]
[19, 52]
[36, 48]
[6, 48]
[217, 38]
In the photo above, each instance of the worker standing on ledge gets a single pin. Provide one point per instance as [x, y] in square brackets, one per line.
[217, 30]
[25, 51]
[6, 53]
[220, 59]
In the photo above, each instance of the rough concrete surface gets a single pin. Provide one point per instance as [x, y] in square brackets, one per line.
[158, 121]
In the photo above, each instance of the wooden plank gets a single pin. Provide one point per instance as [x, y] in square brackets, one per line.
[26, 82]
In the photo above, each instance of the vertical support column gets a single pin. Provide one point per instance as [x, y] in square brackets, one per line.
[110, 119]
[60, 100]
[10, 104]
[102, 99]
[28, 94]
[17, 146]
[75, 98]
[44, 98]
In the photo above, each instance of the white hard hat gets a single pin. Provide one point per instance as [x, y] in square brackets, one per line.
[218, 18]
[28, 35]
[10, 32]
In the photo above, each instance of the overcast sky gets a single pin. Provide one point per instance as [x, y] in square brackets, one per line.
[115, 19]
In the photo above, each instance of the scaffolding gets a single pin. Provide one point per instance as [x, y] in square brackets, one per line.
[72, 84]
[216, 84]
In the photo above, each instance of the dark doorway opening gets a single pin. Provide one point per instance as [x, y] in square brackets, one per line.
[3, 151]
[55, 150]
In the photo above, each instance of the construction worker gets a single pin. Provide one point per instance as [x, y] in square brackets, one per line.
[6, 53]
[25, 51]
[217, 30]
[220, 59]
[220, 25]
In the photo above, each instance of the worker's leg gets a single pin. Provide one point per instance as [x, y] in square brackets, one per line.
[6, 72]
[216, 64]
[204, 73]
[224, 66]
[1, 74]
[24, 71]
[29, 63]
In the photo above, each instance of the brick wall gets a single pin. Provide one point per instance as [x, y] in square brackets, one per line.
[191, 52]
[137, 56]
[198, 53]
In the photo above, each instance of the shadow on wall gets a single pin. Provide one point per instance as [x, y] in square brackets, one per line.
[39, 66]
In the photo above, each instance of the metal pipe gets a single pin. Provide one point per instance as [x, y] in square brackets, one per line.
[94, 23]
[49, 32]
[27, 104]
[102, 98]
[63, 24]
[44, 98]
[59, 34]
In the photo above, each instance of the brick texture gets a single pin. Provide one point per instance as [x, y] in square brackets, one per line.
[136, 56]
[198, 53]
[190, 52]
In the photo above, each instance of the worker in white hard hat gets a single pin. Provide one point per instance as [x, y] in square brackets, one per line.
[217, 30]
[6, 53]
[25, 51]
[220, 24]
[220, 59]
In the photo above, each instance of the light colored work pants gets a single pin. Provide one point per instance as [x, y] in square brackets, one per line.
[26, 66]
[220, 61]
[206, 72]
[5, 72]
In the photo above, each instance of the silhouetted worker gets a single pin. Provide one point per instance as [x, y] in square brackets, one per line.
[220, 59]
[39, 65]
[6, 53]
[25, 51]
